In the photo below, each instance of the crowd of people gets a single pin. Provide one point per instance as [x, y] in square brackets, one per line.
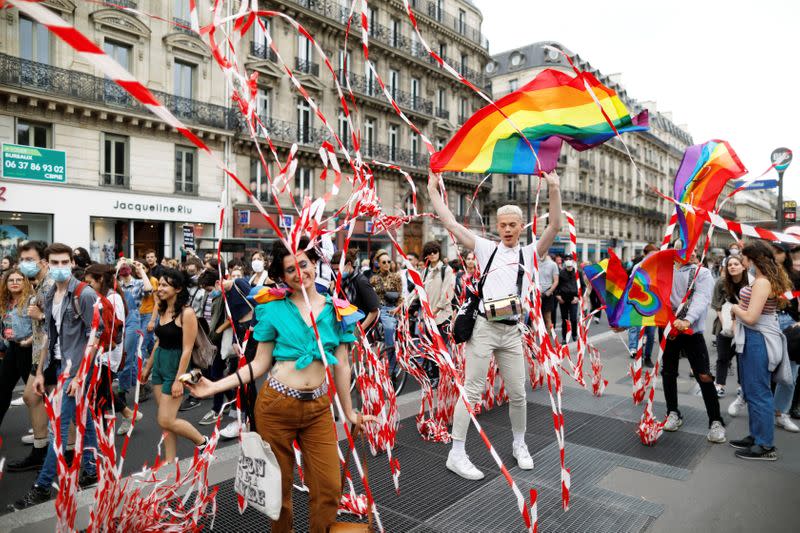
[150, 309]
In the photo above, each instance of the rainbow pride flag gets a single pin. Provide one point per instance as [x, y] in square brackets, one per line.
[703, 173]
[645, 300]
[608, 279]
[553, 107]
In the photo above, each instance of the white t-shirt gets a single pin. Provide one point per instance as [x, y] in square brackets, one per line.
[115, 355]
[57, 320]
[501, 279]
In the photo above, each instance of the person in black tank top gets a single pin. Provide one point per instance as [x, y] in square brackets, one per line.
[175, 331]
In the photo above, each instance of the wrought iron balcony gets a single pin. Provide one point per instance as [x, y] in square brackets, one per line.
[32, 77]
[304, 65]
[263, 51]
[115, 180]
[132, 4]
[370, 87]
[462, 118]
[452, 22]
[442, 113]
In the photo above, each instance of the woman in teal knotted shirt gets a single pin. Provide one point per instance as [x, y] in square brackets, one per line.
[293, 402]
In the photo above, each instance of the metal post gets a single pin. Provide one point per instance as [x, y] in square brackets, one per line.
[780, 201]
[530, 219]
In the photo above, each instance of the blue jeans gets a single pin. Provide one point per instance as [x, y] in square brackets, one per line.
[756, 387]
[649, 335]
[49, 470]
[127, 374]
[149, 338]
[389, 324]
[784, 393]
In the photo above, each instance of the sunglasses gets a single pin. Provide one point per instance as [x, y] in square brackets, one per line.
[384, 262]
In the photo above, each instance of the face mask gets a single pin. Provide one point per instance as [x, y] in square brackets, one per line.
[29, 269]
[257, 265]
[60, 274]
[569, 264]
[734, 251]
[215, 293]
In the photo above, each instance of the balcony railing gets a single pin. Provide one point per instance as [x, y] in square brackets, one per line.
[370, 87]
[263, 51]
[462, 118]
[132, 4]
[115, 180]
[454, 23]
[307, 66]
[32, 77]
[442, 113]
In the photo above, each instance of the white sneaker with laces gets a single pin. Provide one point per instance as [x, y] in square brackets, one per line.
[209, 418]
[125, 426]
[231, 431]
[783, 421]
[737, 406]
[460, 464]
[673, 422]
[17, 402]
[523, 456]
[716, 433]
[27, 439]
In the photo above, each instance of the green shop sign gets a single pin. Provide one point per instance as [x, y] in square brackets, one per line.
[32, 163]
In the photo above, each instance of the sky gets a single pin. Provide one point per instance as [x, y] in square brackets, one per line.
[726, 69]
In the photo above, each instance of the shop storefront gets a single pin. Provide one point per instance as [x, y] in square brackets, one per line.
[107, 223]
[17, 227]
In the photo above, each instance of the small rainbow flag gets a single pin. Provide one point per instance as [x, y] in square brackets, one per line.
[703, 173]
[645, 300]
[553, 107]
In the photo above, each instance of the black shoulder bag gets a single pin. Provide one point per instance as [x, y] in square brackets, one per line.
[468, 312]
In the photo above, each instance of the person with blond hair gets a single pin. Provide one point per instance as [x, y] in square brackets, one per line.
[506, 268]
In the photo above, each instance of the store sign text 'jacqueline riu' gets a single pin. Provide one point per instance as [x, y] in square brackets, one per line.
[138, 207]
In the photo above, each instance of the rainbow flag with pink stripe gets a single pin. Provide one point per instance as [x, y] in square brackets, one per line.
[552, 108]
[704, 171]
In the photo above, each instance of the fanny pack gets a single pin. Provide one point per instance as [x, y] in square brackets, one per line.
[502, 309]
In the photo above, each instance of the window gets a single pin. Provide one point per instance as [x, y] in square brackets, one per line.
[263, 106]
[415, 90]
[439, 144]
[441, 103]
[34, 41]
[303, 121]
[183, 79]
[344, 130]
[394, 83]
[372, 19]
[305, 51]
[463, 110]
[393, 132]
[115, 160]
[302, 183]
[372, 83]
[260, 35]
[464, 64]
[511, 187]
[121, 53]
[185, 169]
[414, 148]
[462, 21]
[438, 10]
[442, 49]
[513, 84]
[369, 136]
[34, 134]
[396, 33]
[344, 65]
[182, 10]
[461, 207]
[259, 184]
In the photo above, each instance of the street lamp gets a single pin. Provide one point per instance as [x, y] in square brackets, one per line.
[781, 157]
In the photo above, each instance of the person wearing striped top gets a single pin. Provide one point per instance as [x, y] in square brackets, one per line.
[762, 346]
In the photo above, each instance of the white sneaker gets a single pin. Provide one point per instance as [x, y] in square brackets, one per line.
[783, 421]
[125, 425]
[523, 456]
[460, 464]
[673, 422]
[27, 439]
[231, 431]
[209, 418]
[717, 432]
[737, 406]
[18, 401]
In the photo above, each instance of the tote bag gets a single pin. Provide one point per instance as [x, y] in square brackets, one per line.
[258, 477]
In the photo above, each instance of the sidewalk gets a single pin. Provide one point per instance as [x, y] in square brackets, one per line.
[683, 483]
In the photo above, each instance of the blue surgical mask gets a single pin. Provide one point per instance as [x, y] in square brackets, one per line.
[29, 269]
[215, 293]
[60, 274]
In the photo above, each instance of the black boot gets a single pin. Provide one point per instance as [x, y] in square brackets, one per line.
[35, 496]
[794, 412]
[33, 461]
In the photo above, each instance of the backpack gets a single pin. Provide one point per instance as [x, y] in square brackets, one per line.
[113, 327]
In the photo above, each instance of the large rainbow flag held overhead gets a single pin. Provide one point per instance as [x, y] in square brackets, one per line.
[704, 171]
[553, 107]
